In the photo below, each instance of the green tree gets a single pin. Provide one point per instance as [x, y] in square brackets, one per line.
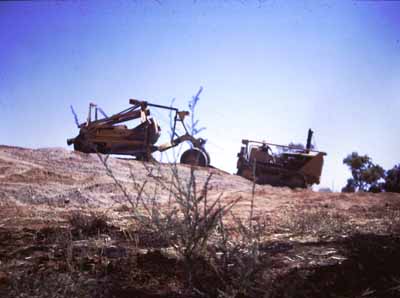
[392, 183]
[350, 186]
[366, 176]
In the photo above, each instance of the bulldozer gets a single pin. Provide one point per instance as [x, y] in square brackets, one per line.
[280, 165]
[110, 134]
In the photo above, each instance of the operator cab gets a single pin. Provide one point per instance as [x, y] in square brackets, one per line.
[261, 154]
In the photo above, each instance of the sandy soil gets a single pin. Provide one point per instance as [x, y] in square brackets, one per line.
[310, 234]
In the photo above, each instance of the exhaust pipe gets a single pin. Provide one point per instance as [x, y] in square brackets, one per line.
[309, 138]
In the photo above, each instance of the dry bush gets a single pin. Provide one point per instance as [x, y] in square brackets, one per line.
[189, 222]
[219, 260]
[88, 224]
[240, 257]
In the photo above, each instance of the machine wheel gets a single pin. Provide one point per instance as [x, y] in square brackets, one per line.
[195, 157]
[79, 145]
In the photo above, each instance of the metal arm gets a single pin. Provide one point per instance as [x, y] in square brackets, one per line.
[179, 115]
[126, 115]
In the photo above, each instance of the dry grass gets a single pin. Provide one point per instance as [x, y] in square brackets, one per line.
[194, 226]
[85, 225]
[318, 222]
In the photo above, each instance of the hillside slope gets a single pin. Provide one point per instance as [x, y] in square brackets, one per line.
[314, 241]
[53, 175]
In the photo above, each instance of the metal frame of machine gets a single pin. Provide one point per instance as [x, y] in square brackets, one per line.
[294, 167]
[109, 136]
[291, 166]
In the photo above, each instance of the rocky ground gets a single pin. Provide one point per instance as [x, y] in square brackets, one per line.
[67, 230]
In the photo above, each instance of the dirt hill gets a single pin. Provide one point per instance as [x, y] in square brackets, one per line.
[313, 244]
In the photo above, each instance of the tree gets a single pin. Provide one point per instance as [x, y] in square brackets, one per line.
[366, 176]
[392, 183]
[350, 186]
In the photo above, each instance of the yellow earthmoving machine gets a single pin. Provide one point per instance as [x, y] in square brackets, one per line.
[108, 135]
[292, 166]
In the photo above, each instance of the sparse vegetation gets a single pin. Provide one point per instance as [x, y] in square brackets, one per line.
[318, 223]
[193, 225]
[193, 125]
[84, 225]
[169, 234]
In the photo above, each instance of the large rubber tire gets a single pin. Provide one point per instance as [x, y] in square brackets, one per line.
[195, 157]
[81, 145]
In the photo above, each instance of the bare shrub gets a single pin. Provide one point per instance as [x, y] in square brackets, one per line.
[213, 249]
[196, 228]
[191, 221]
[86, 225]
[241, 257]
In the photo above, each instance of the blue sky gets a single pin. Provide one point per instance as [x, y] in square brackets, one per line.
[270, 70]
